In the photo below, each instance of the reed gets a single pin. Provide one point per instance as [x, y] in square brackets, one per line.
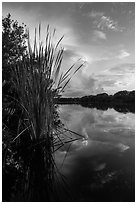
[38, 82]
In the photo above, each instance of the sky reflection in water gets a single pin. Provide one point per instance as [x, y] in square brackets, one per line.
[103, 162]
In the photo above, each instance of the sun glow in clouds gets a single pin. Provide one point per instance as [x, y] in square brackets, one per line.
[102, 36]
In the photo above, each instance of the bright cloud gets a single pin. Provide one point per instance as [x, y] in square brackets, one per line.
[118, 77]
[104, 22]
[123, 54]
[99, 35]
[107, 22]
[86, 27]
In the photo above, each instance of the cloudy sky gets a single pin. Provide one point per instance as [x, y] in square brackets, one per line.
[101, 34]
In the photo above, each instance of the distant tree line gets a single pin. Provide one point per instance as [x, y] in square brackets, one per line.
[122, 101]
[119, 97]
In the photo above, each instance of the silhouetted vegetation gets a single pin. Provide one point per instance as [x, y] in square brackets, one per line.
[32, 130]
[122, 101]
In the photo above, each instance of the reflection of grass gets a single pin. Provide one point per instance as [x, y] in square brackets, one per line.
[37, 82]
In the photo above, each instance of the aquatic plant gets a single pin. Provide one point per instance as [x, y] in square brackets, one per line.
[37, 82]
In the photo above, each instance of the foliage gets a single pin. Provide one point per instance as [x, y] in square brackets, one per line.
[122, 101]
[33, 130]
[13, 44]
[37, 81]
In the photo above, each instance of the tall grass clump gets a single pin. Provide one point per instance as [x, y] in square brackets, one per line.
[38, 82]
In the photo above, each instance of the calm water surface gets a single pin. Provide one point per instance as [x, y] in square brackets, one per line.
[99, 167]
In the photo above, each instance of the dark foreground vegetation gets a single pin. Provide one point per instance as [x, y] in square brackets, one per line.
[122, 101]
[31, 129]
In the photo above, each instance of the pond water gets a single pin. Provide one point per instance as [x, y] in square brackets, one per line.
[100, 167]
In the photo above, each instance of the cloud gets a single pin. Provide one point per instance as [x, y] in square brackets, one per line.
[112, 55]
[126, 68]
[73, 54]
[87, 82]
[81, 85]
[123, 54]
[108, 23]
[99, 35]
[114, 79]
[118, 77]
[95, 14]
[108, 83]
[104, 22]
[72, 92]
